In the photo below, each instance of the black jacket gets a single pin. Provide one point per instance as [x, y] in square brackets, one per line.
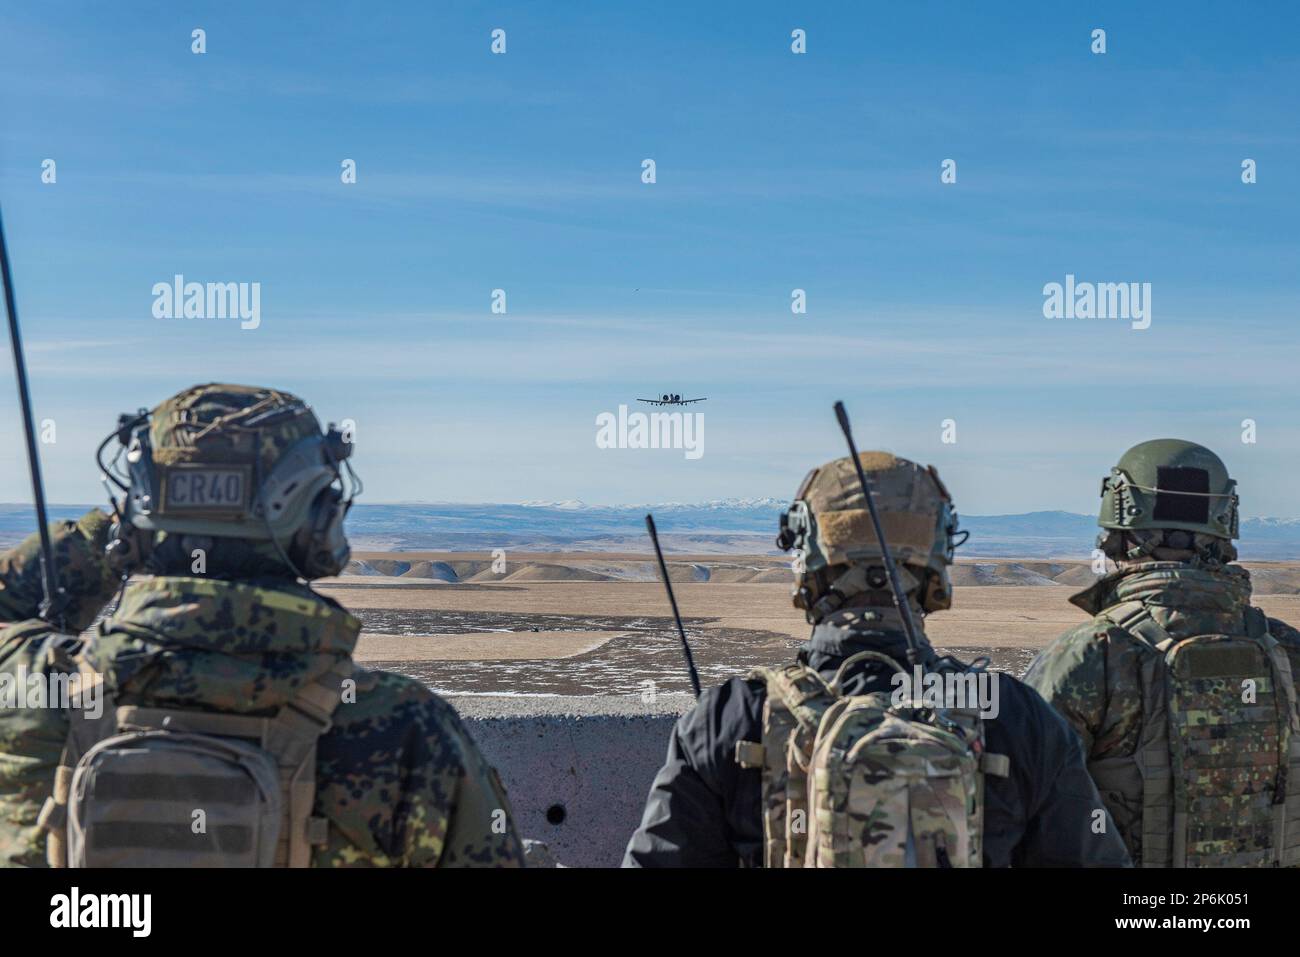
[704, 810]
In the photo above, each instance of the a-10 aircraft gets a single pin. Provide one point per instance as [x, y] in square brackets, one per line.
[669, 399]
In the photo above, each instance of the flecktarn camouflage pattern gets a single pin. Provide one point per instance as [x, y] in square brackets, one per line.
[399, 782]
[32, 732]
[853, 781]
[132, 781]
[84, 575]
[232, 695]
[29, 734]
[1184, 697]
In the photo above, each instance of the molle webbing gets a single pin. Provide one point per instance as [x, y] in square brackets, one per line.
[832, 762]
[797, 697]
[1154, 764]
[137, 797]
[1228, 758]
[172, 799]
[1218, 745]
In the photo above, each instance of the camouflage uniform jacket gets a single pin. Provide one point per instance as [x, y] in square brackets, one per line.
[1091, 673]
[704, 810]
[88, 583]
[398, 777]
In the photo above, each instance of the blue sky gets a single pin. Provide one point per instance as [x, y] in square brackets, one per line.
[775, 171]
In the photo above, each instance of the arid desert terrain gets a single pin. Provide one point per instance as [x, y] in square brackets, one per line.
[573, 623]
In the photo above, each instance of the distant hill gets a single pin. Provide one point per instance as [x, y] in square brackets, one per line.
[732, 526]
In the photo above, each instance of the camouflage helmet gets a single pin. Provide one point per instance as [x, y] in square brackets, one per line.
[830, 528]
[1170, 484]
[242, 462]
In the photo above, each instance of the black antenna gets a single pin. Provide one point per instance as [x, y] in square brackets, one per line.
[900, 597]
[49, 573]
[672, 600]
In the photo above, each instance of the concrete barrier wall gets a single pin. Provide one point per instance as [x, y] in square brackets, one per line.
[577, 769]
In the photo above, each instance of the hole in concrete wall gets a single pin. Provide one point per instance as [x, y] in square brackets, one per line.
[555, 814]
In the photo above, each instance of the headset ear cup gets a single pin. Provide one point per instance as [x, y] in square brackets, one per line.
[320, 549]
[934, 596]
[129, 547]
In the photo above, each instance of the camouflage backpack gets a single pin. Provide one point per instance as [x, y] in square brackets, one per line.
[852, 781]
[1219, 746]
[164, 787]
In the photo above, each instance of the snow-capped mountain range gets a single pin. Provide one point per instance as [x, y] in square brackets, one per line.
[724, 526]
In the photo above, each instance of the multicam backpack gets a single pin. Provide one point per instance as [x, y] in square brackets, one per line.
[1218, 751]
[163, 787]
[852, 781]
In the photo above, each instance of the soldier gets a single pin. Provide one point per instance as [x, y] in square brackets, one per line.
[810, 765]
[215, 718]
[85, 577]
[87, 584]
[1181, 691]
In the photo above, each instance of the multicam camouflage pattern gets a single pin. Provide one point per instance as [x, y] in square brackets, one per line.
[830, 526]
[849, 782]
[797, 697]
[891, 791]
[83, 572]
[398, 777]
[911, 501]
[1145, 698]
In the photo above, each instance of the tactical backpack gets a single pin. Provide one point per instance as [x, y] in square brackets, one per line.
[164, 787]
[1219, 747]
[852, 781]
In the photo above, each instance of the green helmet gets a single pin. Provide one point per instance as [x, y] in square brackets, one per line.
[239, 462]
[1170, 484]
[829, 526]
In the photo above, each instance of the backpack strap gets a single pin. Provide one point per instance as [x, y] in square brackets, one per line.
[1257, 629]
[797, 697]
[795, 687]
[1135, 618]
[1152, 758]
[19, 632]
[292, 738]
[1286, 807]
[798, 687]
[84, 732]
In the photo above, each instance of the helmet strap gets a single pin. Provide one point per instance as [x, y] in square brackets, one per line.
[850, 587]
